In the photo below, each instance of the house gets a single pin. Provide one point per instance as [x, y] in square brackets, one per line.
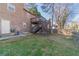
[13, 17]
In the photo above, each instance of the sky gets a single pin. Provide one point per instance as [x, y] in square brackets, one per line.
[47, 16]
[74, 15]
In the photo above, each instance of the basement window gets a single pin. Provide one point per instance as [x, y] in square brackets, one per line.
[11, 7]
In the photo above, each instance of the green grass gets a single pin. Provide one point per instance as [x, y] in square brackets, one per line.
[37, 45]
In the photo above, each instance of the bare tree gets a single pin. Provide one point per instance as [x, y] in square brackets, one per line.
[61, 13]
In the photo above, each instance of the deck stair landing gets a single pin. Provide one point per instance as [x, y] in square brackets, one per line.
[39, 25]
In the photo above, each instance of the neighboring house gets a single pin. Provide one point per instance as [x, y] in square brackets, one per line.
[13, 17]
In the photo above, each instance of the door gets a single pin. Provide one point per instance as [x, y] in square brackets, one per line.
[5, 26]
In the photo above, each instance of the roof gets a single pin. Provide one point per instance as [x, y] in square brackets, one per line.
[40, 17]
[29, 12]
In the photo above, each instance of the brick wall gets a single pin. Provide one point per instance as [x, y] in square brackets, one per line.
[19, 20]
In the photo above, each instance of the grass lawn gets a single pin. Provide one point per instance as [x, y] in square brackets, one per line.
[38, 45]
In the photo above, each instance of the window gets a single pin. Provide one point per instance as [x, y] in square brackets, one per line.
[11, 7]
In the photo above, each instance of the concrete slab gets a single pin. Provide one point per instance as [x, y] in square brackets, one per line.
[8, 37]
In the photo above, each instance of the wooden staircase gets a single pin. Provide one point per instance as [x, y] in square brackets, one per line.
[39, 25]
